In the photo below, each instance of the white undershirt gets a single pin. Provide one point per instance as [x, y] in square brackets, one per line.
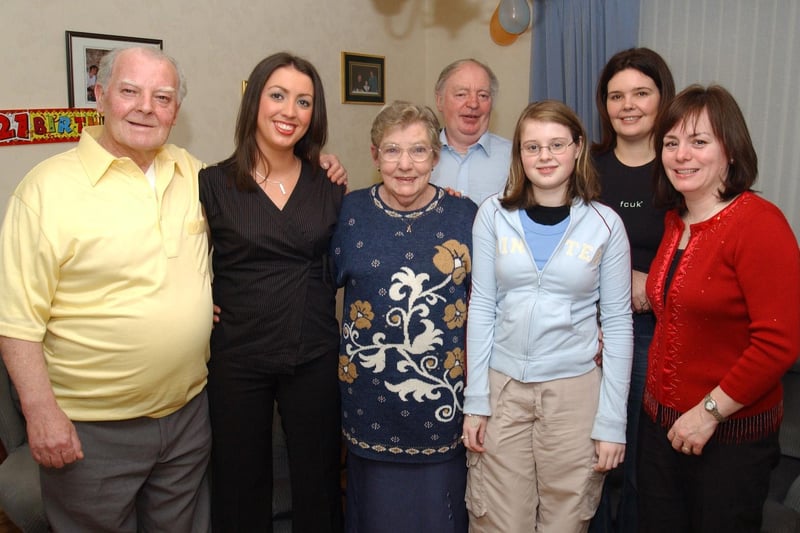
[150, 174]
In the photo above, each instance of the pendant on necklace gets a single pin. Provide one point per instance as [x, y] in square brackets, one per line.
[408, 228]
[268, 181]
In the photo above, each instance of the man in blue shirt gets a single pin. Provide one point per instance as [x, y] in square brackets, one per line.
[473, 162]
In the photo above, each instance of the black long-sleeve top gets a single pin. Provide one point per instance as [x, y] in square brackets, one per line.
[271, 278]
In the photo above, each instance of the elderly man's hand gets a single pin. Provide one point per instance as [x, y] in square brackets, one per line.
[52, 438]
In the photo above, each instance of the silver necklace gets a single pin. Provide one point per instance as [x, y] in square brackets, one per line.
[266, 180]
[279, 183]
[407, 218]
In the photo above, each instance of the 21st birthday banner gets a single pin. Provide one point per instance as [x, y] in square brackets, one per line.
[35, 126]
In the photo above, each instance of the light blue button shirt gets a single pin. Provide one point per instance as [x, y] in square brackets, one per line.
[480, 173]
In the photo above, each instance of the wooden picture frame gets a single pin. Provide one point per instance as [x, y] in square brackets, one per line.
[363, 79]
[84, 51]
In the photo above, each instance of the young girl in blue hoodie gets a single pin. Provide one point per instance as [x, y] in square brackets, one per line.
[550, 265]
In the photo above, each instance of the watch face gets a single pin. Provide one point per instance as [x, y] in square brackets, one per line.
[710, 406]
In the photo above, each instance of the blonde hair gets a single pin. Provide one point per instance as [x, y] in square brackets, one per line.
[582, 184]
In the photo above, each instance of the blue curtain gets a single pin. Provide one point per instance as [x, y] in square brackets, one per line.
[572, 40]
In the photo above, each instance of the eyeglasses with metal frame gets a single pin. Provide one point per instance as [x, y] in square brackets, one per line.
[557, 147]
[391, 153]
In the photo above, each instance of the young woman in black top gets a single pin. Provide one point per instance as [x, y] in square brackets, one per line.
[271, 211]
[634, 88]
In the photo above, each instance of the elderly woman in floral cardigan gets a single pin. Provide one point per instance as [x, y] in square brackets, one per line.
[402, 251]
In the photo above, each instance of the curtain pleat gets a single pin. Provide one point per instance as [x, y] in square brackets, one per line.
[572, 40]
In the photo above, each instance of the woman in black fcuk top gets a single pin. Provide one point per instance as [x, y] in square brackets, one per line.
[634, 88]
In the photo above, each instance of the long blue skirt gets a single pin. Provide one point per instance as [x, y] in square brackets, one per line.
[384, 497]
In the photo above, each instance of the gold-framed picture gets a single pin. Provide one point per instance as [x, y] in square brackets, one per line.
[363, 79]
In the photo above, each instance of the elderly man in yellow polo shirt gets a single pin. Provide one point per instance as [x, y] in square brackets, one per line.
[106, 312]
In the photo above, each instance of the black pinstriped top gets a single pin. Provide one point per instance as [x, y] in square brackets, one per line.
[270, 269]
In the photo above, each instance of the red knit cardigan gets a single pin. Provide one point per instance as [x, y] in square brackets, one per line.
[731, 316]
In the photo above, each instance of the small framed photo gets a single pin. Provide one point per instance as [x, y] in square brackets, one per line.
[84, 52]
[363, 79]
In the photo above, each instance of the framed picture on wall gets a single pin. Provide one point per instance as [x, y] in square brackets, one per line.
[363, 79]
[84, 52]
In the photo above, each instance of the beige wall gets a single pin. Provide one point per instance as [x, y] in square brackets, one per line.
[218, 42]
[760, 67]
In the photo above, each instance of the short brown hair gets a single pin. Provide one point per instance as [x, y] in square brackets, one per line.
[402, 114]
[730, 129]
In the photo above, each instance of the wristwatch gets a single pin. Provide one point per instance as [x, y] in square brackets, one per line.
[710, 405]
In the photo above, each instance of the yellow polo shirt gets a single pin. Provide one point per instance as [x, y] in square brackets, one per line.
[112, 277]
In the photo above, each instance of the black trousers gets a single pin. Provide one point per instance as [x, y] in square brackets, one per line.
[241, 400]
[721, 490]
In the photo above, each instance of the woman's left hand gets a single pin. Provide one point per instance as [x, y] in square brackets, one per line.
[690, 433]
[639, 302]
[336, 172]
[609, 455]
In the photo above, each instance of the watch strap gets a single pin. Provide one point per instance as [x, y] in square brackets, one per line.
[710, 405]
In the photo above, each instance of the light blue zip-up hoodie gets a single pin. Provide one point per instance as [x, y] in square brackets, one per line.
[539, 325]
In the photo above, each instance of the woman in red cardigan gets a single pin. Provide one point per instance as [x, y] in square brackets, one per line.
[725, 288]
